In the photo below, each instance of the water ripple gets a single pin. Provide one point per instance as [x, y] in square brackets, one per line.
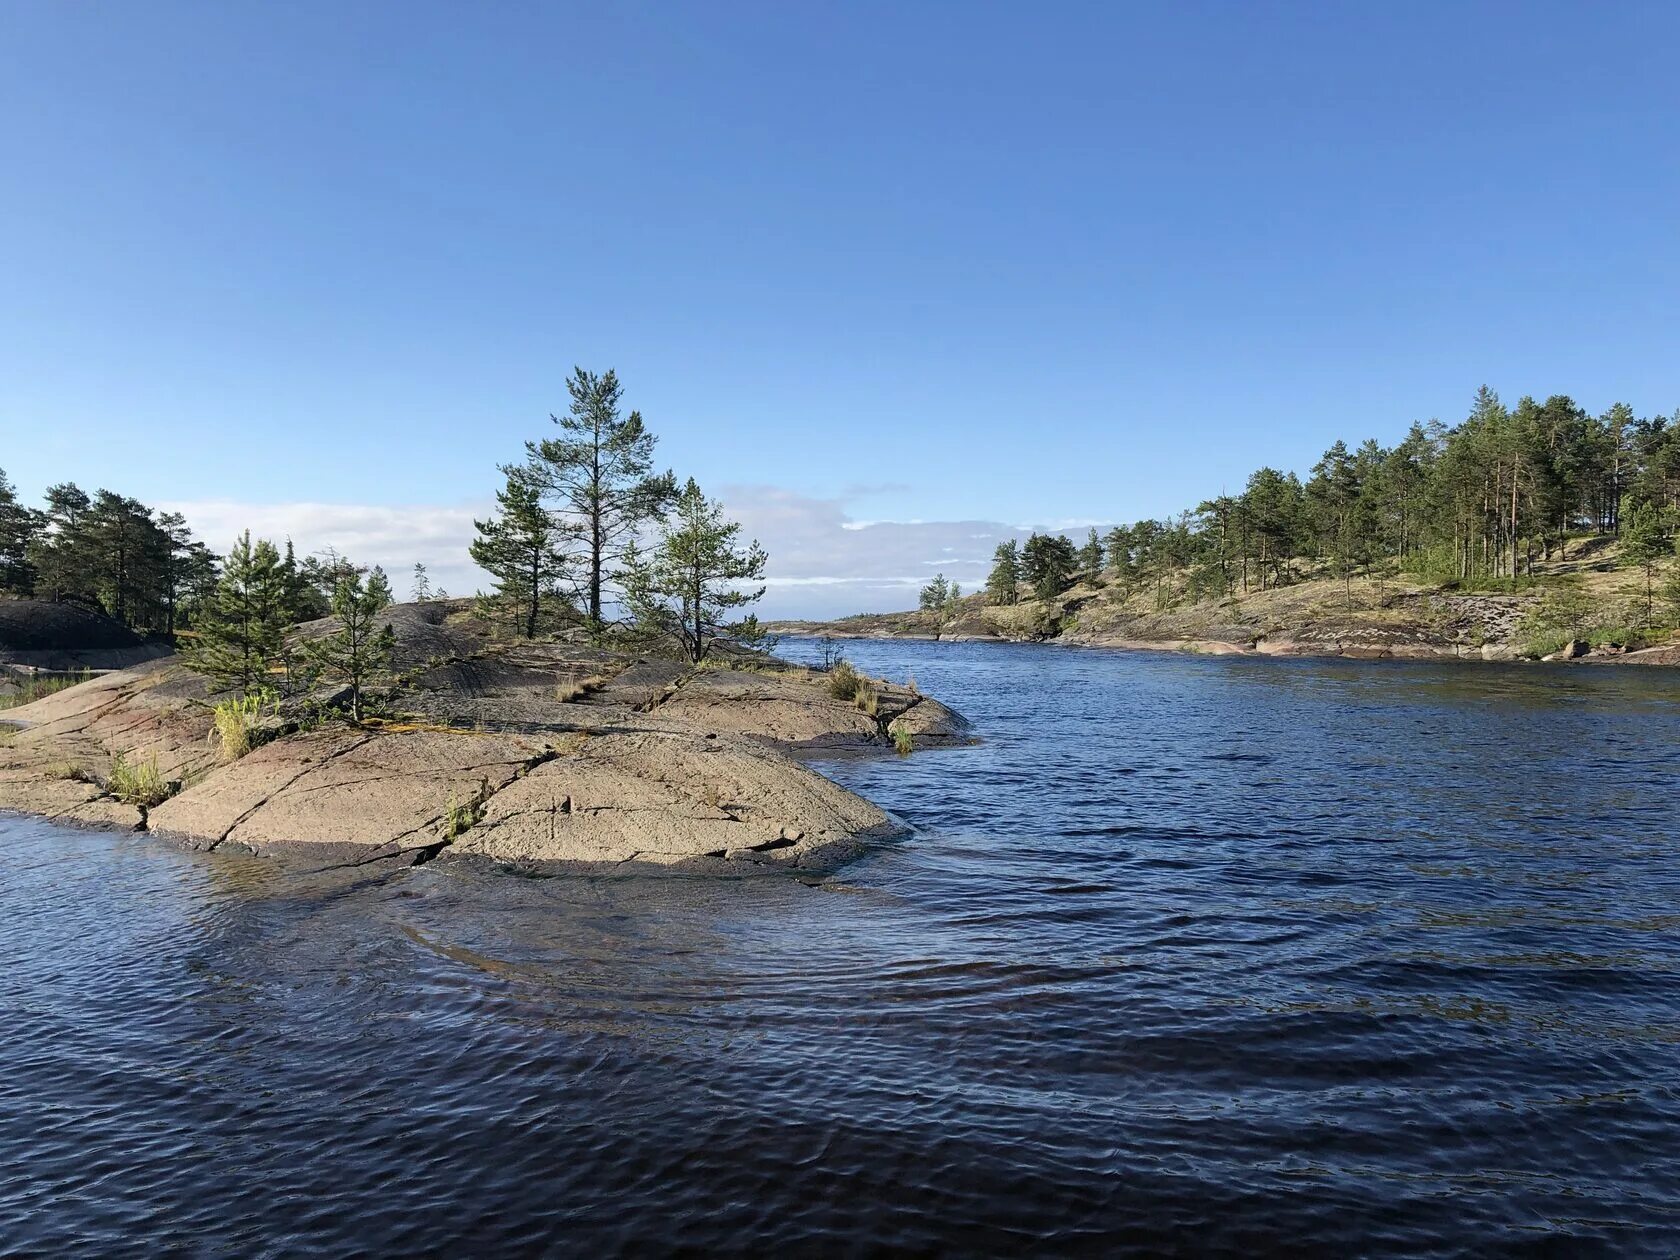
[1191, 954]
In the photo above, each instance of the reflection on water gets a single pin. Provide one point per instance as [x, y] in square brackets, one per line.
[1191, 953]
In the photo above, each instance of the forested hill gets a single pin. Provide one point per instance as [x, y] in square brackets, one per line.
[1517, 531]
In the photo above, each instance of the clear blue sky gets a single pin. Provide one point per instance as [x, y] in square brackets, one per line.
[940, 262]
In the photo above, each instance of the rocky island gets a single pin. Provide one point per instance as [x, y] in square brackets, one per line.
[540, 755]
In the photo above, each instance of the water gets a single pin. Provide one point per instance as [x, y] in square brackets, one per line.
[1194, 954]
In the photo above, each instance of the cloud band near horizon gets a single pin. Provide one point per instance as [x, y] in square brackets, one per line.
[823, 563]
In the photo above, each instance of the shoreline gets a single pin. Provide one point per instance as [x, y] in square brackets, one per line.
[1658, 656]
[540, 756]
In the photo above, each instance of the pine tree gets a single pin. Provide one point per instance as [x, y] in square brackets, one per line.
[422, 585]
[128, 556]
[522, 547]
[1645, 546]
[360, 648]
[1671, 588]
[936, 594]
[600, 472]
[1048, 562]
[243, 627]
[59, 553]
[18, 528]
[1091, 554]
[188, 569]
[690, 586]
[1003, 586]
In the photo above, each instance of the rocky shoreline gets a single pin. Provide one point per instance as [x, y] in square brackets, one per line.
[1404, 625]
[538, 756]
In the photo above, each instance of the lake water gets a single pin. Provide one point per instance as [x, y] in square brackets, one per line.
[1193, 954]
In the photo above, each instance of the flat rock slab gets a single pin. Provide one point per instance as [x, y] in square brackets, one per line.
[348, 790]
[768, 707]
[796, 711]
[669, 798]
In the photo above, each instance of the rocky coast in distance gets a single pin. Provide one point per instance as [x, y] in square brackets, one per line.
[1314, 615]
[540, 755]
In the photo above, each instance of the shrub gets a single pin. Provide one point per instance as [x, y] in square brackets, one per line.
[138, 783]
[867, 699]
[843, 680]
[904, 742]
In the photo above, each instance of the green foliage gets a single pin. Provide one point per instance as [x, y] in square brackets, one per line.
[939, 595]
[1645, 546]
[360, 648]
[108, 550]
[904, 741]
[37, 686]
[843, 680]
[1091, 554]
[692, 583]
[243, 628]
[462, 814]
[1478, 506]
[18, 528]
[1003, 585]
[236, 720]
[599, 471]
[523, 547]
[1671, 589]
[1048, 562]
[1563, 614]
[138, 783]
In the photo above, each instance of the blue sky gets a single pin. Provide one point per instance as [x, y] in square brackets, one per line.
[952, 268]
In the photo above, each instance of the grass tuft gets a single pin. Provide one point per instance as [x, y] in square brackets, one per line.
[38, 686]
[573, 687]
[236, 722]
[843, 680]
[904, 742]
[461, 815]
[138, 783]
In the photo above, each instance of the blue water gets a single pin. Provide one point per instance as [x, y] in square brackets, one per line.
[1208, 955]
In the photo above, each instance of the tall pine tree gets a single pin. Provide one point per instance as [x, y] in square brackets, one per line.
[600, 473]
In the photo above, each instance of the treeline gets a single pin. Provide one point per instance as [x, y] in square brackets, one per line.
[1481, 501]
[588, 533]
[142, 566]
[106, 551]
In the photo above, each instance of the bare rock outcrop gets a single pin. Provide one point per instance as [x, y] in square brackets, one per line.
[793, 709]
[535, 755]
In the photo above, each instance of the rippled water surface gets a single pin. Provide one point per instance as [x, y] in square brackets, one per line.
[1191, 954]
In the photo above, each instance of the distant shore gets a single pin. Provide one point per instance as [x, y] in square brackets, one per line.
[1359, 620]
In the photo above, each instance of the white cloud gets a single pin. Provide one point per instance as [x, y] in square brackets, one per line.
[822, 562]
[394, 537]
